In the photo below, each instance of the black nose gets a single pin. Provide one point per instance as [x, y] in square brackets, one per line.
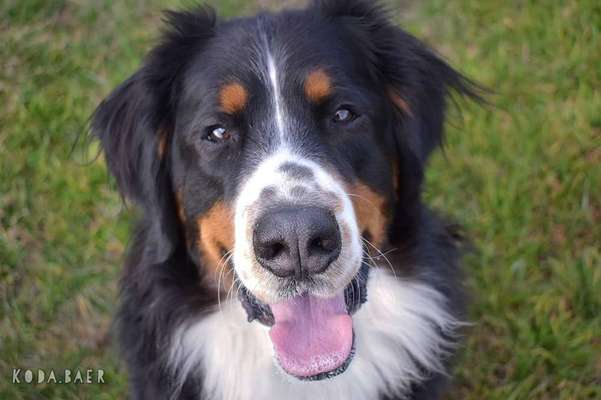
[296, 241]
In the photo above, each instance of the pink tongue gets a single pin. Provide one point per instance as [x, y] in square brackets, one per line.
[311, 335]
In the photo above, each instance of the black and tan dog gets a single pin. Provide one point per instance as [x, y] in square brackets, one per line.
[284, 251]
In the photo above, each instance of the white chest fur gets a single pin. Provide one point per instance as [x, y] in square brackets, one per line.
[397, 333]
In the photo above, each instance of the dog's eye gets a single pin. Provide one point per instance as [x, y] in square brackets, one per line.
[343, 114]
[217, 133]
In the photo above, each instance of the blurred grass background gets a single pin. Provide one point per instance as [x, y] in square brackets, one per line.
[524, 177]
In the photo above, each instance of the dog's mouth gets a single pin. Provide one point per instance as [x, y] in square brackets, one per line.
[312, 336]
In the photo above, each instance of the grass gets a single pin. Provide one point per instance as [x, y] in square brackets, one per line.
[524, 176]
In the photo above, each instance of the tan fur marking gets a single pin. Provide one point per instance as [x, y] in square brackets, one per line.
[399, 102]
[179, 205]
[162, 145]
[216, 234]
[395, 177]
[318, 86]
[233, 98]
[370, 211]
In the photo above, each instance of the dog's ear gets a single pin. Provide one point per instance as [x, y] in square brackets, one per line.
[416, 81]
[416, 84]
[131, 124]
[135, 123]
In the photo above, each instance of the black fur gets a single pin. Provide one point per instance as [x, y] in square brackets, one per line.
[164, 281]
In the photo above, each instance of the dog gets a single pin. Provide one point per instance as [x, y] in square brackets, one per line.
[283, 249]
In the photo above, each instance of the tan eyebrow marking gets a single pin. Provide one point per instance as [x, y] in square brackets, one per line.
[233, 98]
[318, 86]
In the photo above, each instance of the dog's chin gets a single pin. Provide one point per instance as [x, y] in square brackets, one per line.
[312, 336]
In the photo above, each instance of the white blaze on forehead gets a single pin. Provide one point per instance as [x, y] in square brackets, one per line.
[276, 95]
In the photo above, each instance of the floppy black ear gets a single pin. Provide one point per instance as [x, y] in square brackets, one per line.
[135, 123]
[416, 80]
[419, 84]
[128, 124]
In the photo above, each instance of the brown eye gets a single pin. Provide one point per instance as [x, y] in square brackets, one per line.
[217, 134]
[343, 115]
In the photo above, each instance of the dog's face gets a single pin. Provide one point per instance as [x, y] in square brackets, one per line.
[285, 145]
[281, 149]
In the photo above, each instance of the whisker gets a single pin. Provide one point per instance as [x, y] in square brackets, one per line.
[388, 252]
[381, 255]
[371, 261]
[235, 283]
[362, 198]
[223, 261]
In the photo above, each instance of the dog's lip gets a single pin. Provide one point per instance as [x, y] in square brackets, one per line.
[255, 308]
[355, 294]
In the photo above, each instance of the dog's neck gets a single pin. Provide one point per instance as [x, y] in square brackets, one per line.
[402, 333]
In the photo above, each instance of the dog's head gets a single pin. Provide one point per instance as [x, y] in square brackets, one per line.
[278, 151]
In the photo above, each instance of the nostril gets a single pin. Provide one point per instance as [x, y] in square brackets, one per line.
[270, 250]
[322, 245]
[315, 243]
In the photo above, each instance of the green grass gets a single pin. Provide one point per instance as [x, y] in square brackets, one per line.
[524, 176]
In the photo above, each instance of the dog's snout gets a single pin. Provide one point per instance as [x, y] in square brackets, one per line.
[296, 241]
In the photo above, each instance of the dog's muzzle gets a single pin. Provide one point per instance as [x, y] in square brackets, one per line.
[298, 257]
